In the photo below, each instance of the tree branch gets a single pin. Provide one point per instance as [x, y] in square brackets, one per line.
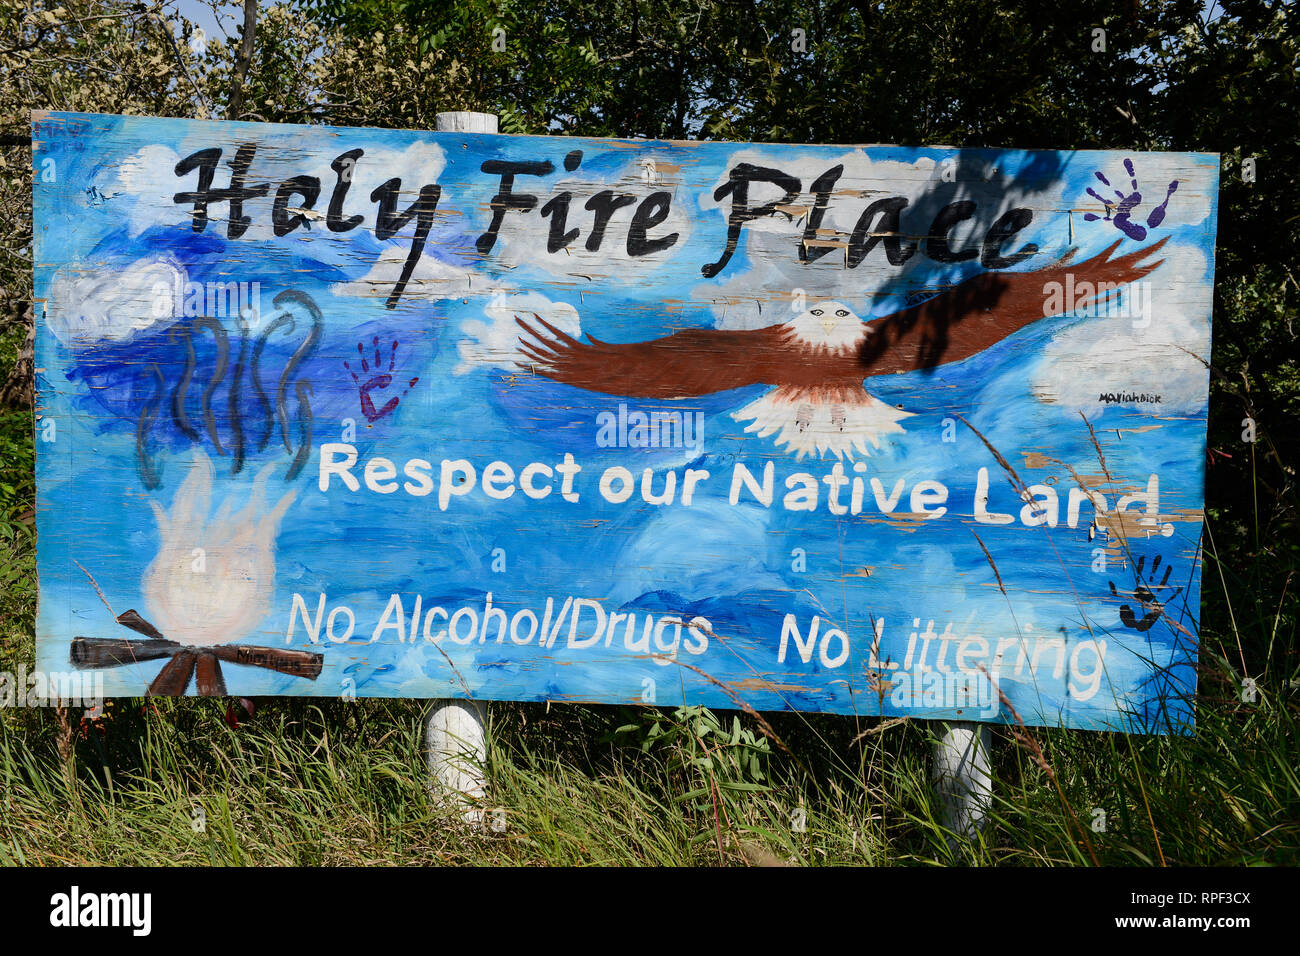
[245, 58]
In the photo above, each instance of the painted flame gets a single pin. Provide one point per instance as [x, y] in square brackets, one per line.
[212, 580]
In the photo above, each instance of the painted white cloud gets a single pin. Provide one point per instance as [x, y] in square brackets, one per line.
[1118, 353]
[494, 343]
[522, 240]
[90, 303]
[431, 279]
[419, 164]
[147, 181]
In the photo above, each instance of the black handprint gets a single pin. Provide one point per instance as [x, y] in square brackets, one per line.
[1146, 596]
[379, 380]
[1125, 205]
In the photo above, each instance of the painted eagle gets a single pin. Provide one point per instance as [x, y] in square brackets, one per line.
[818, 361]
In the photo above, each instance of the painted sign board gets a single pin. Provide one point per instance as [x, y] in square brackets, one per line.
[860, 430]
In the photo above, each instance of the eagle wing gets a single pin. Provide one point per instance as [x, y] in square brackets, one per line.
[983, 310]
[688, 363]
[949, 327]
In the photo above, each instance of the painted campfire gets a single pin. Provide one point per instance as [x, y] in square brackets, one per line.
[208, 587]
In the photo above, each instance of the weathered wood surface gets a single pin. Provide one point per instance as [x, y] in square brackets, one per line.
[850, 429]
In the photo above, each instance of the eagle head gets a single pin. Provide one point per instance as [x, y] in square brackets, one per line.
[828, 325]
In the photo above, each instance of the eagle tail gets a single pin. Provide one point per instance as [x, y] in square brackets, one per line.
[842, 421]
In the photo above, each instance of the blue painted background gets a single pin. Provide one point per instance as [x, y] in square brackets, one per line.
[102, 209]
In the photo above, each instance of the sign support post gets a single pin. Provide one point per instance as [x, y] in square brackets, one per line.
[455, 748]
[455, 731]
[962, 777]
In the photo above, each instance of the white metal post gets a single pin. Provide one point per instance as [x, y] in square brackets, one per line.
[455, 749]
[455, 731]
[962, 776]
[465, 122]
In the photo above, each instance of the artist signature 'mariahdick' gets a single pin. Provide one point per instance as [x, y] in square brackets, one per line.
[1114, 398]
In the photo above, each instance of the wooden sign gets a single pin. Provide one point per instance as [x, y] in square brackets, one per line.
[863, 430]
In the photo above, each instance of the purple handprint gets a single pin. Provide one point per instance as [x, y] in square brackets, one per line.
[379, 380]
[1124, 205]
